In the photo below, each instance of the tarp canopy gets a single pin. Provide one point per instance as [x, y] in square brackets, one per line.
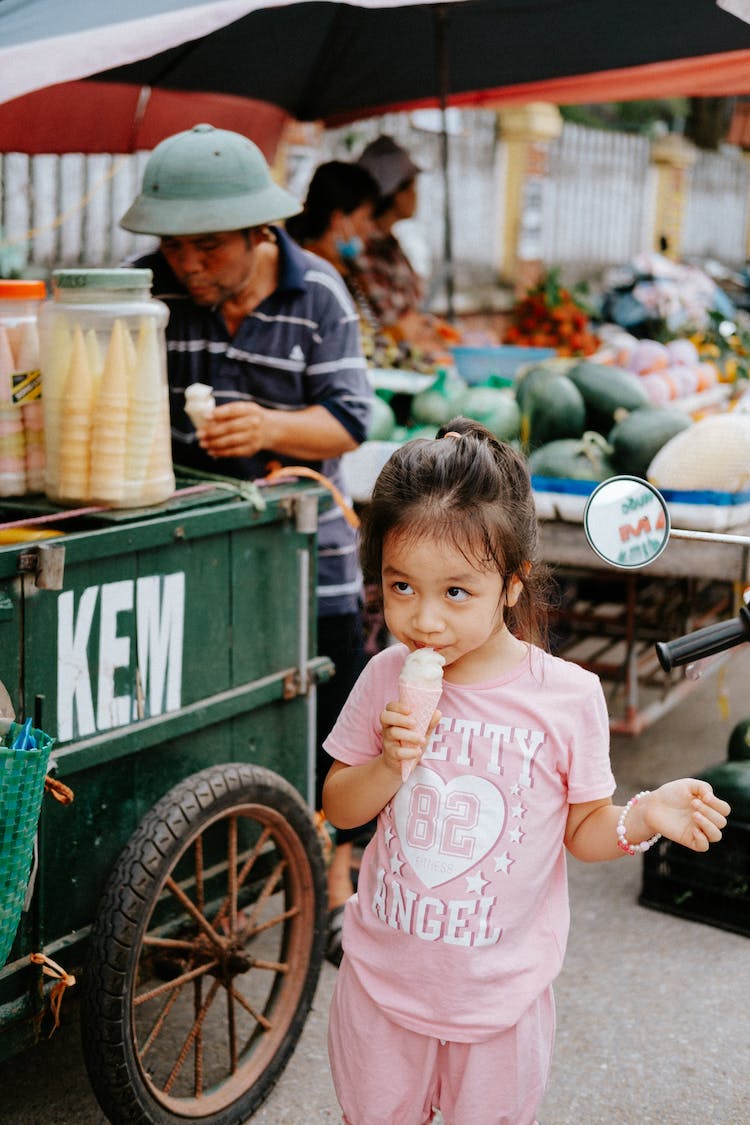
[117, 117]
[329, 61]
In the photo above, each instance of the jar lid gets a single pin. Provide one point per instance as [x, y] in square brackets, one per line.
[103, 279]
[18, 290]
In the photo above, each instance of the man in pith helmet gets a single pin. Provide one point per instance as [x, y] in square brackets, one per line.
[272, 329]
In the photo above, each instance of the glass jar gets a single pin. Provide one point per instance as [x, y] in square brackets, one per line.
[21, 418]
[106, 403]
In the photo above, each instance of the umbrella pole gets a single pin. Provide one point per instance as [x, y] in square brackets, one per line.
[441, 51]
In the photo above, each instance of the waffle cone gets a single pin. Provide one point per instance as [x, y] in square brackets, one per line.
[422, 702]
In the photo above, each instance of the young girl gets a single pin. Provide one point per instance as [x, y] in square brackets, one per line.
[458, 929]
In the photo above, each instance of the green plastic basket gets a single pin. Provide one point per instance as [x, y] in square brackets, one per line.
[22, 774]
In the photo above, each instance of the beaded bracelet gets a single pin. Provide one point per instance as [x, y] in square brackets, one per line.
[622, 840]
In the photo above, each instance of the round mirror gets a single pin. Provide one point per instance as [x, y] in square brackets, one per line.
[626, 522]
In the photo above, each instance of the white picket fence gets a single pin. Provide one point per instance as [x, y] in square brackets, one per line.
[63, 211]
[596, 200]
[592, 209]
[716, 219]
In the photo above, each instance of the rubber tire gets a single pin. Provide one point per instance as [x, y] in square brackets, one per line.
[109, 982]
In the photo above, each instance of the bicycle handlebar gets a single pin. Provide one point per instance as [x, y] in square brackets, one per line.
[704, 642]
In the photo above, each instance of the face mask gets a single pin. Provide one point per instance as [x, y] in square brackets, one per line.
[350, 248]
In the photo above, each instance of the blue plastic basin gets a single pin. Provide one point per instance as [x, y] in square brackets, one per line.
[475, 365]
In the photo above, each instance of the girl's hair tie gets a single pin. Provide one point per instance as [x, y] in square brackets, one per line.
[453, 434]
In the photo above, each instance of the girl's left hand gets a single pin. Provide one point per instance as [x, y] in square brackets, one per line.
[686, 811]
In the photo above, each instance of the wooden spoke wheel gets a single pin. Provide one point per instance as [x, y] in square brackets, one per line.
[206, 951]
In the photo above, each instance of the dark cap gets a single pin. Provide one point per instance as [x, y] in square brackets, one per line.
[390, 166]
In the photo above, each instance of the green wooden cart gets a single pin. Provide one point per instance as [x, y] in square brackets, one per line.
[170, 653]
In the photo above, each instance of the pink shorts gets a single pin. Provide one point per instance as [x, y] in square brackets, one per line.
[386, 1075]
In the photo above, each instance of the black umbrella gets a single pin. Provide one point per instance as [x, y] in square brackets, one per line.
[334, 61]
[338, 62]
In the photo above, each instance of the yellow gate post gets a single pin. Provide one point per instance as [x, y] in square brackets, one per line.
[526, 132]
[672, 157]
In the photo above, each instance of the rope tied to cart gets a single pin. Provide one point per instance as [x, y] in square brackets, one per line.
[278, 473]
[64, 980]
[62, 793]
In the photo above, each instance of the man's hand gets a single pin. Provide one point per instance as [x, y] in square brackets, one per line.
[241, 429]
[238, 429]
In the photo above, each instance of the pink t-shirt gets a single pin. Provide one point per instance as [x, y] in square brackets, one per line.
[461, 916]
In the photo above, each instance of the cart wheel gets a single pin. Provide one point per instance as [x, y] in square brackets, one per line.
[206, 951]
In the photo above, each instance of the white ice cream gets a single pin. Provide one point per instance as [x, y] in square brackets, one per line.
[199, 403]
[424, 666]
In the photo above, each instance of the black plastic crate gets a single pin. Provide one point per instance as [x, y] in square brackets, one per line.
[711, 887]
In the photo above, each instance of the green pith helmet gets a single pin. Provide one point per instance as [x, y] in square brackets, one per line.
[206, 180]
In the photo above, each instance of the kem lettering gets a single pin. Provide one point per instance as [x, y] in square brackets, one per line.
[141, 619]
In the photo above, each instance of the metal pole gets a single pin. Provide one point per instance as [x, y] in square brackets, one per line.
[709, 536]
[443, 70]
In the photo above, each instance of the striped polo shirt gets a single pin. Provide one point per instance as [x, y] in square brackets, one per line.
[300, 347]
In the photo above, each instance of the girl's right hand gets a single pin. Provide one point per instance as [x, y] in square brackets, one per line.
[401, 742]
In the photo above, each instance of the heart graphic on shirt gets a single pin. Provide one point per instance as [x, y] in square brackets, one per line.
[446, 828]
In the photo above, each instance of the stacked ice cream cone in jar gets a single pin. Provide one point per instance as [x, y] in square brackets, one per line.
[29, 387]
[21, 420]
[105, 396]
[12, 437]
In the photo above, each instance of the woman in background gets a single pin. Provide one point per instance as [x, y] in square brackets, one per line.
[393, 288]
[337, 218]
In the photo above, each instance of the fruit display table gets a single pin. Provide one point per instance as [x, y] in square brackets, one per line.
[608, 619]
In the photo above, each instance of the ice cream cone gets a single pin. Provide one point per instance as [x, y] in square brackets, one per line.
[199, 403]
[96, 362]
[128, 351]
[27, 355]
[56, 354]
[7, 366]
[148, 361]
[159, 481]
[420, 686]
[67, 475]
[421, 701]
[110, 420]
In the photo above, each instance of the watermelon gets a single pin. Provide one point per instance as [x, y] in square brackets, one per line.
[553, 408]
[639, 436]
[584, 458]
[439, 403]
[606, 390]
[496, 409]
[382, 420]
[534, 374]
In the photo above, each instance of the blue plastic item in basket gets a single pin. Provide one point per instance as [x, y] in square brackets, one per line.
[475, 365]
[24, 756]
